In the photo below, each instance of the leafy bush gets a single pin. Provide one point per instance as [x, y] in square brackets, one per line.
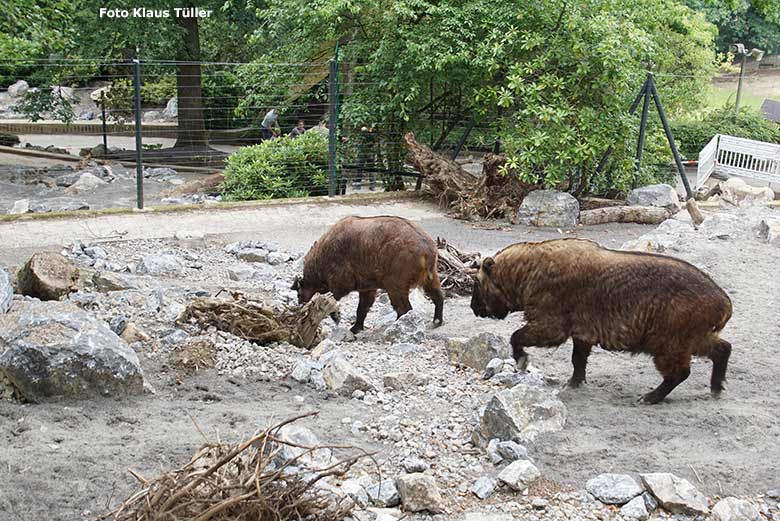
[37, 102]
[693, 135]
[121, 96]
[279, 168]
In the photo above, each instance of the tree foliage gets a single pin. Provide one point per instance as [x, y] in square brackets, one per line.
[756, 23]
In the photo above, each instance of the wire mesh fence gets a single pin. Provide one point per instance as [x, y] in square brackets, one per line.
[167, 132]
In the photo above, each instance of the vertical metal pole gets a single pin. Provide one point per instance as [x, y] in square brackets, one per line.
[332, 115]
[680, 168]
[103, 111]
[139, 167]
[640, 145]
[739, 86]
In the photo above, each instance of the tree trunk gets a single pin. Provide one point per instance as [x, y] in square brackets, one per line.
[625, 214]
[192, 129]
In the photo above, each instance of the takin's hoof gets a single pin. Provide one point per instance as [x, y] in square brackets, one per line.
[356, 329]
[575, 383]
[650, 398]
[437, 322]
[717, 392]
[522, 363]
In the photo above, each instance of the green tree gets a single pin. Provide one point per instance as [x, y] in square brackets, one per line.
[756, 23]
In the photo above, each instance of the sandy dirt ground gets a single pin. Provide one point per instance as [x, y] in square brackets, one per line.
[67, 460]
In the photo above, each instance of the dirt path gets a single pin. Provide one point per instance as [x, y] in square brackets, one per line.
[65, 460]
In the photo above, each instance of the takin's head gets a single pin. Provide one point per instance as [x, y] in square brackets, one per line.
[306, 290]
[487, 300]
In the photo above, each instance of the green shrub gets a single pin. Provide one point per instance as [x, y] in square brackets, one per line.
[278, 168]
[121, 96]
[693, 135]
[160, 91]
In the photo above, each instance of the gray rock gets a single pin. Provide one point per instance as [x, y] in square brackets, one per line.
[71, 207]
[341, 334]
[677, 495]
[152, 115]
[613, 489]
[160, 173]
[18, 89]
[252, 255]
[6, 290]
[306, 439]
[738, 193]
[86, 183]
[276, 258]
[86, 115]
[109, 281]
[176, 337]
[343, 378]
[660, 195]
[155, 300]
[414, 464]
[511, 451]
[250, 271]
[355, 490]
[419, 493]
[118, 323]
[635, 509]
[303, 369]
[484, 487]
[399, 381]
[56, 349]
[317, 380]
[171, 109]
[486, 516]
[64, 92]
[773, 493]
[405, 348]
[520, 414]
[722, 226]
[650, 502]
[384, 494]
[477, 352]
[519, 475]
[21, 206]
[733, 509]
[159, 264]
[769, 231]
[549, 208]
[47, 276]
[492, 452]
[96, 252]
[492, 368]
[409, 328]
[325, 346]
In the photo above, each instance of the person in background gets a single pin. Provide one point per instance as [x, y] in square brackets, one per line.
[321, 129]
[298, 129]
[270, 125]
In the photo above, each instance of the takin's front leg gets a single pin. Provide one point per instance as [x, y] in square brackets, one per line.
[537, 335]
[364, 304]
[579, 359]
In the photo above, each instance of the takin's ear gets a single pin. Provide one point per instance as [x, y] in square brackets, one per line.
[296, 283]
[487, 265]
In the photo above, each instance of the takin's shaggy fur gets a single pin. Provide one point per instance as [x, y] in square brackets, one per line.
[365, 254]
[619, 300]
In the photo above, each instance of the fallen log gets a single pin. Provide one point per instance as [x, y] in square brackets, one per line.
[257, 322]
[625, 214]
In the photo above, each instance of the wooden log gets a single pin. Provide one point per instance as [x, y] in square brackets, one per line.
[625, 214]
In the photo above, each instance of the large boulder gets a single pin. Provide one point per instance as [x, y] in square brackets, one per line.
[6, 290]
[9, 140]
[419, 493]
[739, 193]
[476, 352]
[613, 489]
[519, 475]
[21, 206]
[520, 414]
[18, 89]
[409, 328]
[660, 195]
[171, 109]
[50, 349]
[733, 509]
[549, 208]
[635, 509]
[159, 264]
[47, 276]
[677, 495]
[87, 182]
[343, 378]
[304, 440]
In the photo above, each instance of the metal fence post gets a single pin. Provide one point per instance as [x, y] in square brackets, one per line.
[105, 130]
[139, 167]
[332, 117]
[640, 144]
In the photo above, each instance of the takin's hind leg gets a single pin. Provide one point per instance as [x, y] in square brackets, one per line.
[364, 304]
[400, 302]
[579, 359]
[434, 292]
[534, 334]
[675, 369]
[719, 354]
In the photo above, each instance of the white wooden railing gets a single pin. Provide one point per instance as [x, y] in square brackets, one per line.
[734, 156]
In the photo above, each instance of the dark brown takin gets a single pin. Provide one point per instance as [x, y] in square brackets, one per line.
[618, 300]
[365, 254]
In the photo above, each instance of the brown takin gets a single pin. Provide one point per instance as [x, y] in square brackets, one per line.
[619, 300]
[365, 254]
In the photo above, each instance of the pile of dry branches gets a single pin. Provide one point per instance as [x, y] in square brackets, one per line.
[257, 322]
[494, 195]
[243, 482]
[455, 269]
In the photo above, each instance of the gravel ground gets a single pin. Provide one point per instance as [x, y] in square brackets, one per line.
[67, 460]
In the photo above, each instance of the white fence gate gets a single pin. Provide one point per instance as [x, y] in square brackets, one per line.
[734, 156]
